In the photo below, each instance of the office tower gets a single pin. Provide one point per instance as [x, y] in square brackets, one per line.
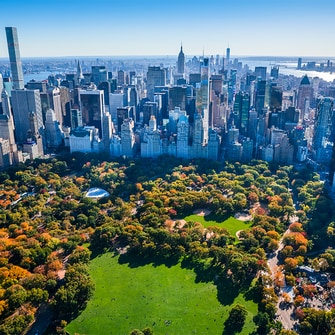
[106, 87]
[7, 128]
[1, 86]
[107, 132]
[305, 96]
[76, 118]
[33, 144]
[53, 133]
[79, 74]
[5, 154]
[14, 57]
[174, 116]
[202, 102]
[123, 113]
[260, 71]
[116, 100]
[92, 107]
[299, 63]
[147, 110]
[51, 99]
[24, 102]
[99, 74]
[183, 136]
[232, 85]
[132, 96]
[276, 97]
[121, 78]
[252, 124]
[194, 79]
[37, 85]
[177, 97]
[132, 75]
[181, 61]
[274, 72]
[260, 95]
[234, 152]
[262, 127]
[151, 143]
[156, 76]
[227, 57]
[241, 112]
[324, 128]
[127, 138]
[65, 102]
[216, 82]
[247, 150]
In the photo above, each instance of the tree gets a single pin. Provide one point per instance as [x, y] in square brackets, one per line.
[262, 322]
[136, 332]
[290, 264]
[236, 319]
[73, 296]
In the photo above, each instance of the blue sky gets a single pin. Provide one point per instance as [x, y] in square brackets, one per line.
[146, 27]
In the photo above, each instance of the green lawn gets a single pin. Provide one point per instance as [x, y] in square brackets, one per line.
[231, 224]
[167, 299]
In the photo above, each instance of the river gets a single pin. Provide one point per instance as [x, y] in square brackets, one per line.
[287, 66]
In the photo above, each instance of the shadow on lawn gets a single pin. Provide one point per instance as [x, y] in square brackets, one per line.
[135, 261]
[227, 290]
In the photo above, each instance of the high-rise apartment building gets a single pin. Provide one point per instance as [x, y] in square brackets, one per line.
[324, 128]
[202, 102]
[14, 57]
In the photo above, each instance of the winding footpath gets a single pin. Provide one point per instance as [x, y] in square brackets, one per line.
[284, 315]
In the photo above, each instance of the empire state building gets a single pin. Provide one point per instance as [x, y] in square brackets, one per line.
[181, 62]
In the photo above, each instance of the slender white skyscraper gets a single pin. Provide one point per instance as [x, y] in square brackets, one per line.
[14, 57]
[202, 100]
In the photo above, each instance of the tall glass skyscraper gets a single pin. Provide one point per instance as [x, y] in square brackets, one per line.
[14, 57]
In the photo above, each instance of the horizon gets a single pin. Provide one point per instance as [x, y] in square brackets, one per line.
[112, 28]
[190, 56]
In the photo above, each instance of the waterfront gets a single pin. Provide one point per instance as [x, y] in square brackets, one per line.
[287, 66]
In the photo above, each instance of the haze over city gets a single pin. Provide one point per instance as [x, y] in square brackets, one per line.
[82, 28]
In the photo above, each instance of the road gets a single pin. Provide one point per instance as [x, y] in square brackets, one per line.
[42, 320]
[284, 311]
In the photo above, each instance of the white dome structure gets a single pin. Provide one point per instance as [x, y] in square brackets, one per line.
[96, 193]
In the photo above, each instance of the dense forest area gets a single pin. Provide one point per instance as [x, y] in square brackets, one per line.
[49, 230]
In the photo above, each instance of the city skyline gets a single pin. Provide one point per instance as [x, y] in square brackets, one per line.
[108, 28]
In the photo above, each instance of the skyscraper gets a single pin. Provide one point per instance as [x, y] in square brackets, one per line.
[181, 61]
[260, 71]
[92, 107]
[24, 103]
[305, 96]
[203, 98]
[14, 57]
[156, 76]
[227, 56]
[324, 128]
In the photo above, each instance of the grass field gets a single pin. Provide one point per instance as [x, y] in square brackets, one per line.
[167, 299]
[231, 224]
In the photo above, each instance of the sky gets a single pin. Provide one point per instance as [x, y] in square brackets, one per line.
[297, 28]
